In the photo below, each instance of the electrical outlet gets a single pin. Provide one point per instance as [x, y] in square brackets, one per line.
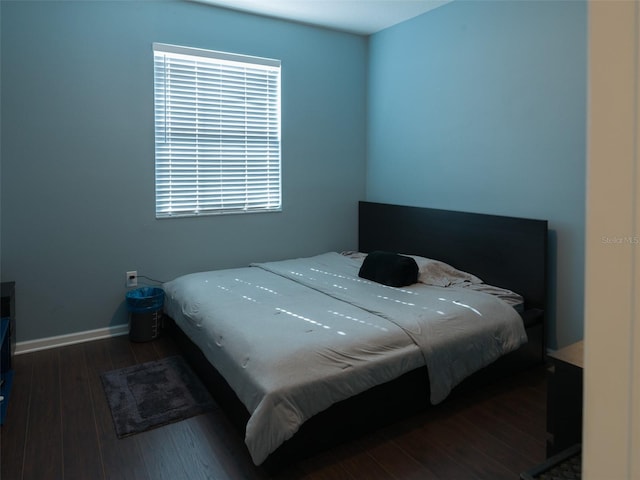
[132, 279]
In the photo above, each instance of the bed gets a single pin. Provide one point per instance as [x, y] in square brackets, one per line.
[303, 352]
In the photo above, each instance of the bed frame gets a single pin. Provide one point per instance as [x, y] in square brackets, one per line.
[504, 251]
[507, 252]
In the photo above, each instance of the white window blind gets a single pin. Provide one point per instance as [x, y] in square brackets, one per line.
[217, 132]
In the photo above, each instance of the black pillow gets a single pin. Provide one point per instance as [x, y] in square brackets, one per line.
[389, 269]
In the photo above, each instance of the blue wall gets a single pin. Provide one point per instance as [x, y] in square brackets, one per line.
[476, 105]
[78, 153]
[481, 106]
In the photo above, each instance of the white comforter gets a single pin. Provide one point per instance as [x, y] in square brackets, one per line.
[293, 337]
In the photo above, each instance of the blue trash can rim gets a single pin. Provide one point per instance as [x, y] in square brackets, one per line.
[145, 292]
[145, 299]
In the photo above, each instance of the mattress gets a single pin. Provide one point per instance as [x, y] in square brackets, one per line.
[291, 338]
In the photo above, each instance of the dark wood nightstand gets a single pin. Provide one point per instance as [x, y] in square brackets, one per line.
[7, 344]
[564, 398]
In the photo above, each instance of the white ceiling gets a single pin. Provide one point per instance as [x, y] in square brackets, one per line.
[363, 17]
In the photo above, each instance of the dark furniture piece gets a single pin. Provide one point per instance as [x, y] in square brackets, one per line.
[564, 416]
[503, 251]
[564, 398]
[8, 344]
[566, 465]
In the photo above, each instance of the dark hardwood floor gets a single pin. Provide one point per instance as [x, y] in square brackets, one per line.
[59, 426]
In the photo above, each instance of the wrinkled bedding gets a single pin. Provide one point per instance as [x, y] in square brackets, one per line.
[294, 337]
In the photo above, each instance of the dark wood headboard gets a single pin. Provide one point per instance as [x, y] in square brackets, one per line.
[508, 252]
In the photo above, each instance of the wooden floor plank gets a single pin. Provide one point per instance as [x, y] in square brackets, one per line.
[394, 460]
[222, 441]
[121, 353]
[421, 444]
[530, 446]
[200, 443]
[44, 443]
[324, 467]
[82, 456]
[356, 460]
[444, 433]
[143, 352]
[161, 456]
[511, 456]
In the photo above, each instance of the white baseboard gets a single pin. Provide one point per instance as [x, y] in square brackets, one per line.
[70, 339]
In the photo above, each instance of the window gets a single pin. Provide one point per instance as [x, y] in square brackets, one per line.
[217, 132]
